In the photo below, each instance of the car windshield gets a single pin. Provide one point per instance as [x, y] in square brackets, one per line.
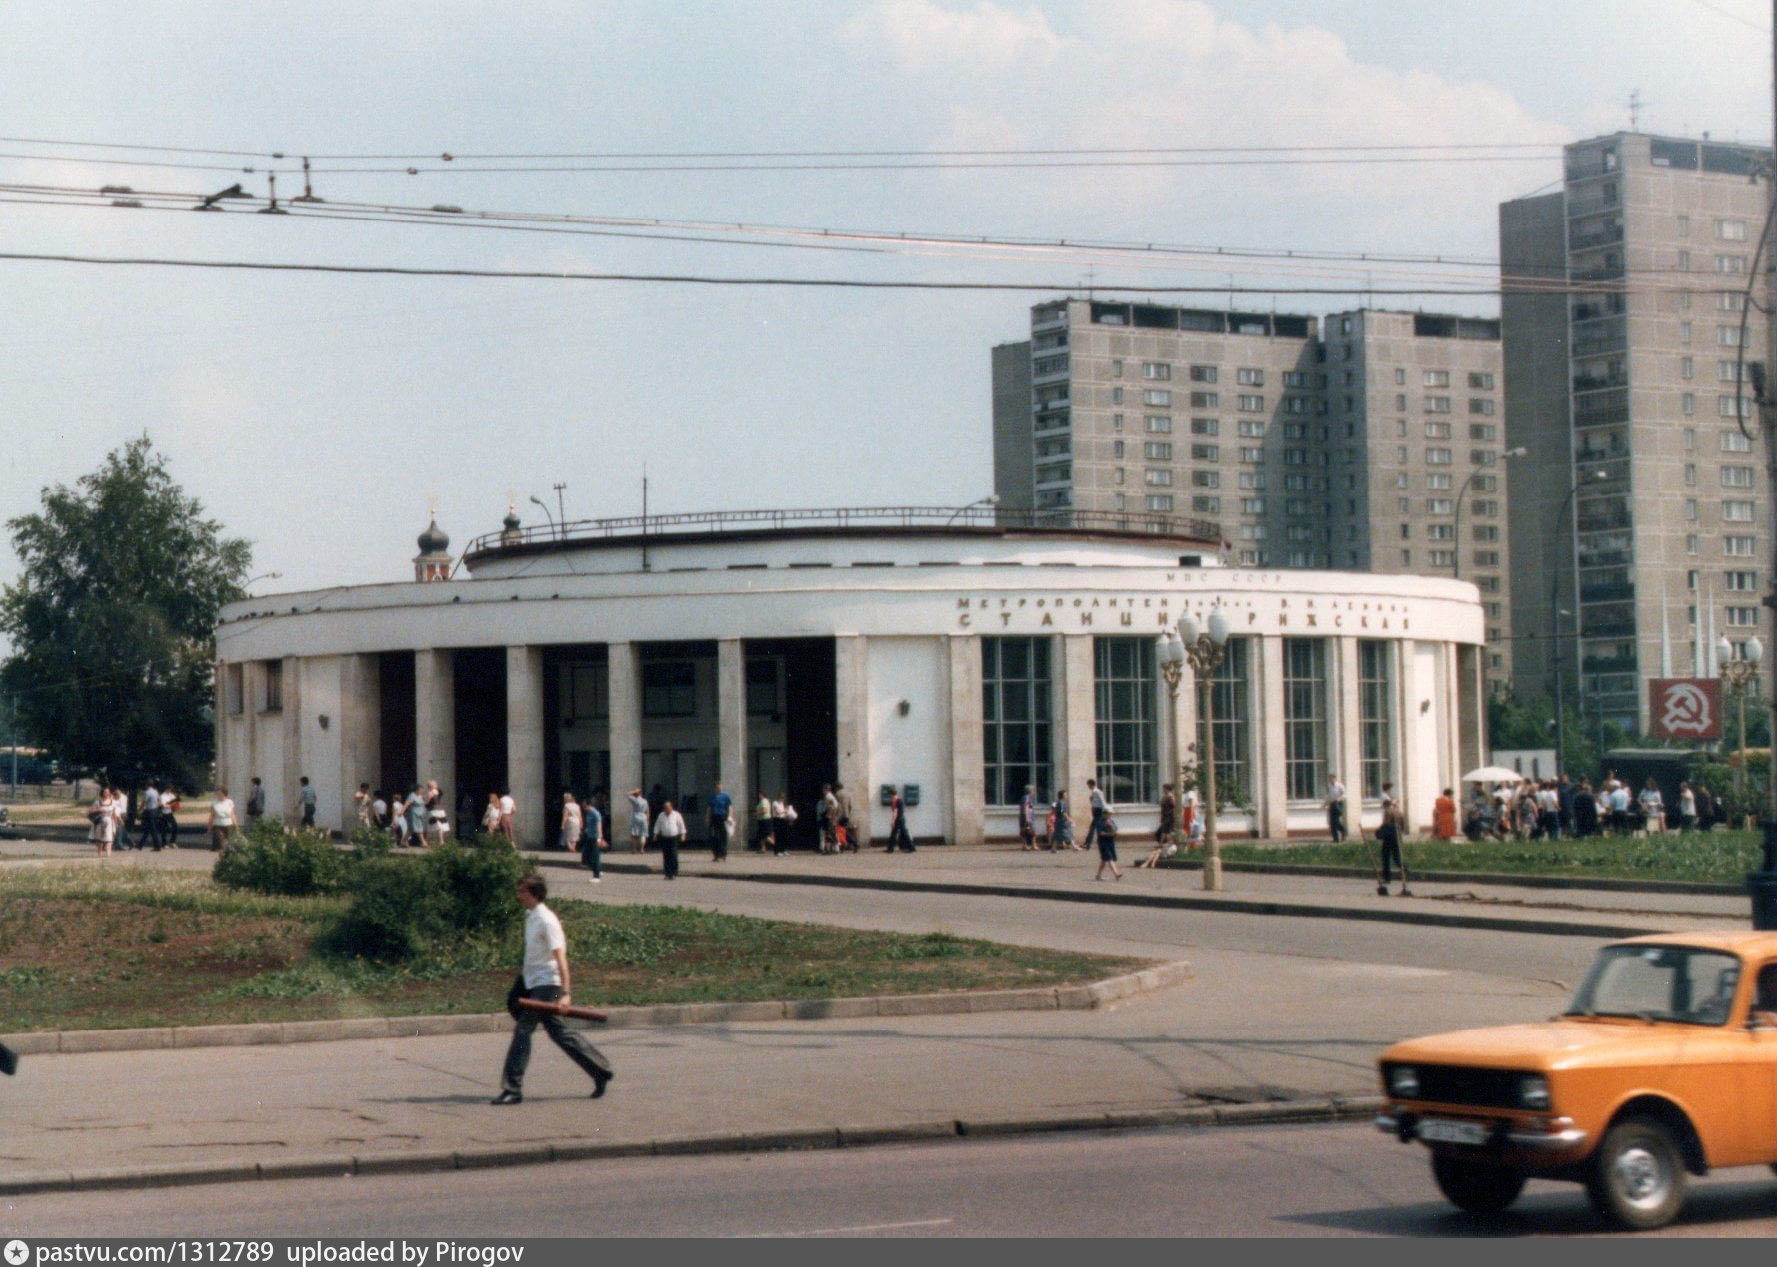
[1659, 983]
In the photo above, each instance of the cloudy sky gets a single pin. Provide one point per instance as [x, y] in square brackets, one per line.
[318, 413]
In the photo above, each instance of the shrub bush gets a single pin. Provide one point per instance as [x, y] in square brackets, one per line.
[397, 909]
[476, 880]
[401, 906]
[268, 859]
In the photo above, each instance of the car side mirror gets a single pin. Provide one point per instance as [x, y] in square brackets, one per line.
[1762, 1020]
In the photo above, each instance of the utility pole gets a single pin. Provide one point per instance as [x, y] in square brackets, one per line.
[645, 504]
[1762, 884]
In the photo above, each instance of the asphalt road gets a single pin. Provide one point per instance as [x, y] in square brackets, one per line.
[1210, 940]
[1329, 1181]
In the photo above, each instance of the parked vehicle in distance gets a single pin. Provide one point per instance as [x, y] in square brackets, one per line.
[1663, 1067]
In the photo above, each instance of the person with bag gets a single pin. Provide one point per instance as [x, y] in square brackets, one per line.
[1107, 844]
[828, 816]
[898, 834]
[639, 815]
[783, 817]
[103, 817]
[763, 837]
[1027, 818]
[1388, 840]
[1061, 824]
[572, 823]
[1164, 845]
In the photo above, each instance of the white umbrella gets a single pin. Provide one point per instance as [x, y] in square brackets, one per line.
[1493, 774]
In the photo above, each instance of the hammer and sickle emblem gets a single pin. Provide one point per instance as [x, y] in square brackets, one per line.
[1686, 710]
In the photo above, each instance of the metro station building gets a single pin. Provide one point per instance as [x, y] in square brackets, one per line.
[955, 655]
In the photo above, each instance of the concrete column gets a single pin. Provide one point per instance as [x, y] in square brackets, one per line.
[1401, 661]
[1345, 696]
[1471, 711]
[252, 693]
[435, 720]
[1076, 744]
[623, 690]
[223, 729]
[291, 720]
[524, 743]
[851, 718]
[1271, 782]
[968, 784]
[360, 733]
[731, 731]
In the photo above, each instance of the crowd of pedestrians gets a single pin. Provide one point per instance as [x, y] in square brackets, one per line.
[1554, 809]
[151, 812]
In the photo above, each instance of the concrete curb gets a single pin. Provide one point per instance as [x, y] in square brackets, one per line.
[1497, 879]
[1329, 1109]
[1233, 905]
[1039, 998]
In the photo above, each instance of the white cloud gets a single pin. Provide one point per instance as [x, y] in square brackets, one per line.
[1172, 73]
[923, 35]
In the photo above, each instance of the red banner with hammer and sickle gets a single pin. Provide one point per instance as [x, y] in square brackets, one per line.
[1684, 708]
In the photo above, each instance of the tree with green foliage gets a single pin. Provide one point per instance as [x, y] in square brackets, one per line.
[112, 619]
[1514, 722]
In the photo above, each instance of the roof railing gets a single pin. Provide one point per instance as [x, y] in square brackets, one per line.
[978, 518]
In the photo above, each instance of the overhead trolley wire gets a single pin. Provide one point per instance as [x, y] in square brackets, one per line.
[386, 270]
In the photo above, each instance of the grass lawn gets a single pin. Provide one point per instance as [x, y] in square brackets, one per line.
[86, 949]
[1718, 857]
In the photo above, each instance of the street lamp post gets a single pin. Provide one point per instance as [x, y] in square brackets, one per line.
[551, 518]
[992, 499]
[1205, 651]
[1456, 520]
[1171, 654]
[1738, 673]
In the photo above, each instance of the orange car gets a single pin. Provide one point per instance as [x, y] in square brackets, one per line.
[1665, 1066]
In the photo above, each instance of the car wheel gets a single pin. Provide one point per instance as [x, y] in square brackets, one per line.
[1638, 1178]
[1473, 1187]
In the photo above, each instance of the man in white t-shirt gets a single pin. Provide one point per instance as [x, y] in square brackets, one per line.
[544, 976]
[151, 833]
[508, 808]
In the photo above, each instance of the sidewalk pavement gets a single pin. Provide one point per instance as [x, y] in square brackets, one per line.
[1246, 1050]
[1500, 904]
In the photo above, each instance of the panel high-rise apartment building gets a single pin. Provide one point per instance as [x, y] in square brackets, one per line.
[1369, 441]
[1641, 512]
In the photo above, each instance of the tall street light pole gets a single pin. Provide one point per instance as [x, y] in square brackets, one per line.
[1761, 885]
[1456, 525]
[1738, 673]
[1205, 650]
[551, 518]
[1559, 533]
[1171, 654]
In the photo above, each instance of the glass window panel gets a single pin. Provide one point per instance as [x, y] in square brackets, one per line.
[1125, 694]
[1015, 691]
[1305, 720]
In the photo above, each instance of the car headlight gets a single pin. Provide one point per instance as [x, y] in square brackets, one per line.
[1533, 1091]
[1403, 1081]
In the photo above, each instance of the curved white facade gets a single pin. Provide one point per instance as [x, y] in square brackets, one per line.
[962, 661]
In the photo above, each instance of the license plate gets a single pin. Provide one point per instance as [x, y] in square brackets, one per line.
[1439, 1131]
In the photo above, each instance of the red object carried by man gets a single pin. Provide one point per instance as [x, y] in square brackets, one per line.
[563, 1009]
